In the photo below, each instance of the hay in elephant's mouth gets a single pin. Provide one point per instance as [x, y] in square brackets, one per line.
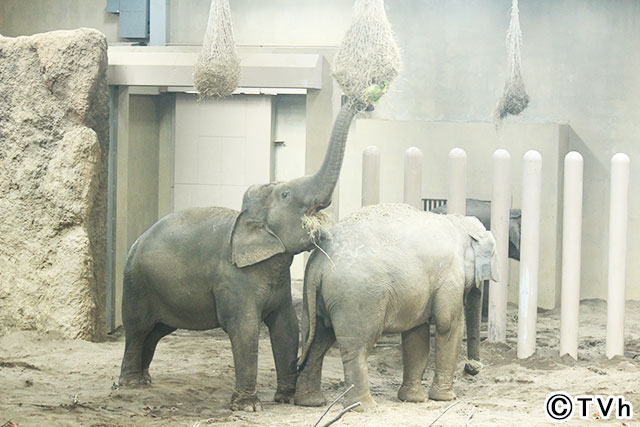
[317, 225]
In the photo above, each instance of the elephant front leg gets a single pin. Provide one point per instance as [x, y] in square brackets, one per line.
[283, 331]
[244, 335]
[473, 317]
[415, 354]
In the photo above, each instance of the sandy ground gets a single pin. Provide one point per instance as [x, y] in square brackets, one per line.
[47, 381]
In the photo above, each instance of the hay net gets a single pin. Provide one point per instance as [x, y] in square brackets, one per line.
[368, 58]
[514, 99]
[217, 69]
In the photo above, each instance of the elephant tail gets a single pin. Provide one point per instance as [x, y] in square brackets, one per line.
[312, 280]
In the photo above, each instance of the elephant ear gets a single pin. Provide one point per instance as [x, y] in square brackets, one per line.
[484, 252]
[251, 240]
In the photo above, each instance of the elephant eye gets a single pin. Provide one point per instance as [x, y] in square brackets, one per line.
[285, 194]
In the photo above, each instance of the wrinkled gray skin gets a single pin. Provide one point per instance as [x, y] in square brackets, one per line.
[481, 209]
[205, 268]
[392, 268]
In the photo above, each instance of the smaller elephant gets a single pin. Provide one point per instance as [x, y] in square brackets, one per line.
[481, 209]
[387, 269]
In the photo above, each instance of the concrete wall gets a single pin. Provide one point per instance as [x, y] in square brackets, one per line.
[265, 23]
[479, 140]
[580, 65]
[143, 165]
[26, 17]
[138, 192]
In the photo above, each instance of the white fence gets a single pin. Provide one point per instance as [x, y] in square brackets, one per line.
[530, 238]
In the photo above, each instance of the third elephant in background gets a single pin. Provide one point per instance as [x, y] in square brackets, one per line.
[481, 209]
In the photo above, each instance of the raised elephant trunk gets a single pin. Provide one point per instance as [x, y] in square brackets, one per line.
[321, 184]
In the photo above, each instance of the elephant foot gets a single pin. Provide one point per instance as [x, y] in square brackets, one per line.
[134, 380]
[441, 393]
[366, 404]
[414, 393]
[309, 399]
[284, 395]
[245, 402]
[473, 367]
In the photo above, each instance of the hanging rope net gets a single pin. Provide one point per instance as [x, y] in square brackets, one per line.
[514, 99]
[368, 58]
[217, 70]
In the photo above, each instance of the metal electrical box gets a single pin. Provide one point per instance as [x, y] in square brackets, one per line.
[134, 17]
[113, 6]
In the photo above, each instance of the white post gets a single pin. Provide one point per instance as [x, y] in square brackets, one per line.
[500, 216]
[413, 177]
[529, 253]
[456, 203]
[617, 254]
[571, 245]
[370, 176]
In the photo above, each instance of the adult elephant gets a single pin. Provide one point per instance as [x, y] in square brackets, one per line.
[388, 269]
[205, 268]
[481, 209]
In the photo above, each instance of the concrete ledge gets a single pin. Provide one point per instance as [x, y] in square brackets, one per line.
[173, 66]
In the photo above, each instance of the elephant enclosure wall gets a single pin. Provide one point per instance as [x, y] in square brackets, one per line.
[53, 180]
[479, 140]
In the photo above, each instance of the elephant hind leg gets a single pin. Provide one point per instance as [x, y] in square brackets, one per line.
[357, 327]
[308, 390]
[415, 354]
[356, 372]
[354, 350]
[159, 331]
[448, 319]
[131, 369]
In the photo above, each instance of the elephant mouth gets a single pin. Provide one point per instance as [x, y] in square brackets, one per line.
[317, 224]
[317, 208]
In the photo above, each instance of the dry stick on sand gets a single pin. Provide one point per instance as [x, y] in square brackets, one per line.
[473, 410]
[333, 403]
[344, 411]
[444, 412]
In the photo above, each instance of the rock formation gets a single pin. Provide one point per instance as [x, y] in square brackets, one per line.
[54, 139]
